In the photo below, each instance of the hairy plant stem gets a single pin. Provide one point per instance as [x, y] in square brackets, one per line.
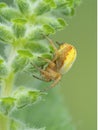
[4, 122]
[7, 86]
[7, 82]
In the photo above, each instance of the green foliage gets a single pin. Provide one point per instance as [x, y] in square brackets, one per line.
[6, 34]
[23, 26]
[6, 104]
[3, 68]
[53, 107]
[19, 27]
[21, 98]
[24, 6]
[9, 13]
[2, 5]
[20, 63]
[30, 18]
[26, 97]
[25, 53]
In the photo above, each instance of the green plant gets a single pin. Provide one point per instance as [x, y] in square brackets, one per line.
[22, 25]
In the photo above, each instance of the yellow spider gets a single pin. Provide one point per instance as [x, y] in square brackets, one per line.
[62, 61]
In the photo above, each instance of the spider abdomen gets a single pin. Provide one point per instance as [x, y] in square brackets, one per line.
[67, 57]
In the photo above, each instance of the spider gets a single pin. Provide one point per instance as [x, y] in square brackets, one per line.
[62, 61]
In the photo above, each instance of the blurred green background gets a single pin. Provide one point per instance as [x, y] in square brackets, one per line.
[78, 86]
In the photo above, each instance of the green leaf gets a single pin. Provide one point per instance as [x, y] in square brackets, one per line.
[6, 104]
[19, 21]
[34, 96]
[62, 22]
[58, 24]
[23, 6]
[38, 62]
[66, 8]
[70, 3]
[48, 29]
[42, 8]
[26, 97]
[3, 5]
[25, 53]
[6, 34]
[77, 2]
[72, 11]
[47, 56]
[67, 11]
[20, 63]
[51, 3]
[19, 27]
[10, 13]
[19, 30]
[37, 48]
[35, 34]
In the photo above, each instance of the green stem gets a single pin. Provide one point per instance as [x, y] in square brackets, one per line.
[8, 84]
[3, 122]
[7, 123]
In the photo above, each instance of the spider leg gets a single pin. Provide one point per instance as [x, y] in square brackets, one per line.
[38, 68]
[59, 43]
[41, 70]
[52, 85]
[53, 45]
[48, 60]
[51, 42]
[40, 78]
[45, 59]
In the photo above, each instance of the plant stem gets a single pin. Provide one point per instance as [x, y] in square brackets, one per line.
[3, 122]
[7, 82]
[6, 123]
[7, 85]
